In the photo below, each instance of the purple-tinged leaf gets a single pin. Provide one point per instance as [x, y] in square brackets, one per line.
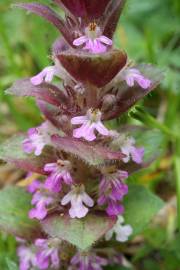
[82, 233]
[55, 116]
[15, 204]
[97, 69]
[90, 9]
[128, 96]
[93, 155]
[45, 91]
[111, 17]
[51, 16]
[50, 112]
[12, 151]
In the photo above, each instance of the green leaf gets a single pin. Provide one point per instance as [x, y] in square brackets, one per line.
[11, 264]
[82, 233]
[153, 143]
[141, 206]
[117, 268]
[11, 151]
[14, 208]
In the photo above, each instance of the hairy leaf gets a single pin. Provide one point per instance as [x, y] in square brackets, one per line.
[111, 17]
[85, 8]
[45, 91]
[51, 16]
[82, 233]
[93, 155]
[51, 112]
[14, 208]
[140, 207]
[97, 69]
[12, 151]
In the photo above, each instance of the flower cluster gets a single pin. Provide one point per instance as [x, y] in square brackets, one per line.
[42, 253]
[82, 164]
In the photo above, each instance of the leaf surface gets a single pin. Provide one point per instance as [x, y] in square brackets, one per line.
[141, 206]
[93, 155]
[82, 233]
[14, 207]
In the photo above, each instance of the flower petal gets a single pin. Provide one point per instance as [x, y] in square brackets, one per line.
[66, 199]
[101, 129]
[87, 200]
[106, 40]
[80, 41]
[79, 120]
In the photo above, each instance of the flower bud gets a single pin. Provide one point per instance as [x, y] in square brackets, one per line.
[108, 102]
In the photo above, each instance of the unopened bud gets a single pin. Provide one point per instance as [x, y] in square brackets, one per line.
[79, 88]
[108, 102]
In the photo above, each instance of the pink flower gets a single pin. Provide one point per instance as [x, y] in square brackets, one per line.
[114, 208]
[121, 231]
[39, 137]
[90, 122]
[27, 258]
[88, 262]
[78, 199]
[128, 148]
[111, 192]
[46, 75]
[59, 173]
[34, 186]
[48, 253]
[41, 201]
[132, 75]
[93, 41]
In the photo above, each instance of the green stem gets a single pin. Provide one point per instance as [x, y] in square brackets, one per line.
[177, 171]
[150, 121]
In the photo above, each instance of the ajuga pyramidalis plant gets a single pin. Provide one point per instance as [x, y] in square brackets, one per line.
[81, 165]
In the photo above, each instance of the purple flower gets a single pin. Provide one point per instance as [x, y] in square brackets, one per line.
[48, 253]
[88, 262]
[27, 258]
[78, 199]
[122, 231]
[59, 173]
[34, 186]
[46, 75]
[39, 137]
[93, 40]
[128, 148]
[114, 208]
[132, 75]
[111, 192]
[90, 122]
[41, 201]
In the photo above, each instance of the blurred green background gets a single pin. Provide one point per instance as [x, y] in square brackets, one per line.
[149, 31]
